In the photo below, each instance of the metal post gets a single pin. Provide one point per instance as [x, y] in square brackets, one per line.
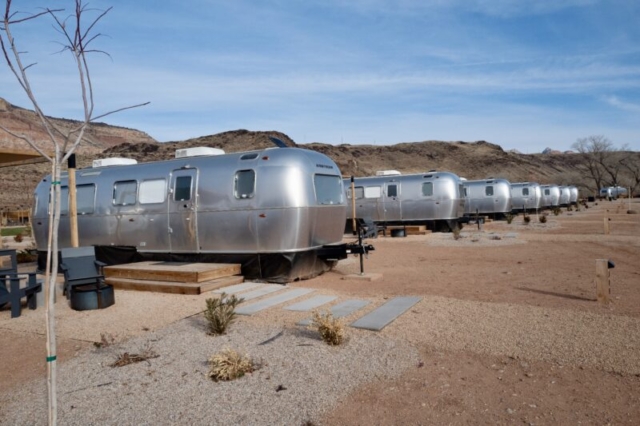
[353, 205]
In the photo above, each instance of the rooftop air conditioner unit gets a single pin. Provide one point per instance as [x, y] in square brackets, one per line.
[198, 151]
[116, 161]
[388, 173]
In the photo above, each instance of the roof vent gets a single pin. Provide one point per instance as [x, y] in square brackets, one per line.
[198, 152]
[116, 161]
[388, 173]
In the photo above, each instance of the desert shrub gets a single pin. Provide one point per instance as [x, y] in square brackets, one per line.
[220, 313]
[569, 208]
[543, 219]
[509, 217]
[556, 211]
[526, 219]
[578, 208]
[106, 340]
[18, 237]
[25, 256]
[126, 358]
[229, 365]
[331, 329]
[456, 233]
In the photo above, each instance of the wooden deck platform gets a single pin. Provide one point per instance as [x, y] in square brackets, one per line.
[173, 277]
[408, 229]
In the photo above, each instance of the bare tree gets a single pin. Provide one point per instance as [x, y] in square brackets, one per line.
[600, 160]
[631, 167]
[76, 39]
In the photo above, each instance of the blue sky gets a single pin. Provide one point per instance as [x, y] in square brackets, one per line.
[523, 74]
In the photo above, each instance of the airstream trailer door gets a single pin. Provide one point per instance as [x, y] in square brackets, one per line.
[183, 219]
[392, 210]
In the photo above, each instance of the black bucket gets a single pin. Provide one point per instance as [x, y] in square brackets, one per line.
[397, 233]
[89, 297]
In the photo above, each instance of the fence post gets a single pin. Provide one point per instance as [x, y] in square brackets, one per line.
[603, 288]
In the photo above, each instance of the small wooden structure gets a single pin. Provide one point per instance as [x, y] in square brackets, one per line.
[173, 277]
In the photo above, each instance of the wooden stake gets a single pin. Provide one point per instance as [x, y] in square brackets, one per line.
[606, 223]
[603, 289]
[73, 205]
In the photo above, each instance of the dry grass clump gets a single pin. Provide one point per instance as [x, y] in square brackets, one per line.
[557, 211]
[220, 313]
[526, 219]
[456, 233]
[331, 329]
[229, 365]
[106, 340]
[543, 218]
[509, 218]
[126, 358]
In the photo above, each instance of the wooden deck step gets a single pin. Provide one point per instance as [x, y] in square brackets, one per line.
[172, 271]
[173, 287]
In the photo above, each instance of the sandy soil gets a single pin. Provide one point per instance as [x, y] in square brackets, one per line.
[519, 284]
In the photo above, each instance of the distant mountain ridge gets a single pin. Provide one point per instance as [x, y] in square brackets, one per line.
[472, 160]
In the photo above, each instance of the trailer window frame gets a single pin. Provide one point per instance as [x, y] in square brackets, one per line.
[149, 191]
[124, 189]
[359, 192]
[488, 190]
[427, 189]
[239, 184]
[329, 189]
[86, 204]
[373, 191]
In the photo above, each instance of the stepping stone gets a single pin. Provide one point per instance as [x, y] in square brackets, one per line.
[379, 318]
[263, 290]
[272, 301]
[233, 289]
[312, 303]
[342, 309]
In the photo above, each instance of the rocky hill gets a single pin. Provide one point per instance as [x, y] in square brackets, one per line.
[472, 160]
[99, 136]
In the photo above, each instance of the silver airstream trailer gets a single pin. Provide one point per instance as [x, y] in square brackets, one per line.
[550, 196]
[526, 196]
[273, 210]
[565, 196]
[573, 195]
[487, 197]
[433, 199]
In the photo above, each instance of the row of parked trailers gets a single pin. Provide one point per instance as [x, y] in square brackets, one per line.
[442, 200]
[280, 212]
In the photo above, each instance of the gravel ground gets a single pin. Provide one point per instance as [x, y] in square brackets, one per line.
[174, 389]
[476, 319]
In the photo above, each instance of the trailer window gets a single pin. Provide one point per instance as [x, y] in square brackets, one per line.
[359, 192]
[244, 184]
[124, 192]
[182, 190]
[546, 192]
[85, 198]
[462, 190]
[329, 189]
[153, 191]
[64, 200]
[392, 190]
[372, 192]
[525, 191]
[427, 189]
[488, 190]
